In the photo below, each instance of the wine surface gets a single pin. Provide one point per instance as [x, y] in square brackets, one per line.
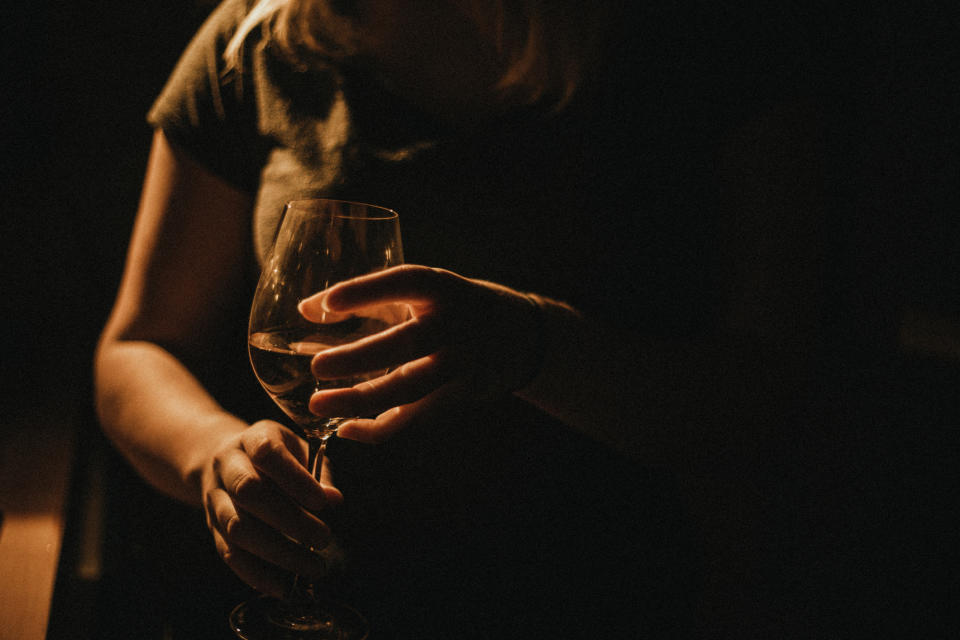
[281, 361]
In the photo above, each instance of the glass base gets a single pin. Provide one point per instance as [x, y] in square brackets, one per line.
[260, 619]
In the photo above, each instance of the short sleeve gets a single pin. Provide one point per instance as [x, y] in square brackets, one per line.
[209, 111]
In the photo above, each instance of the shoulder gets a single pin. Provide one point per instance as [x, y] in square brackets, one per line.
[202, 70]
[206, 106]
[207, 53]
[222, 24]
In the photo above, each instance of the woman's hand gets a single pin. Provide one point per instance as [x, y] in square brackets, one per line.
[258, 497]
[466, 339]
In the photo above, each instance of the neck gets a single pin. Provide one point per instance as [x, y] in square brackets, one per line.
[435, 58]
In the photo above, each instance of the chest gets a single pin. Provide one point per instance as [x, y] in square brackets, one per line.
[590, 209]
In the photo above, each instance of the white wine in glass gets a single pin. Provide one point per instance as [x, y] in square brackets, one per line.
[320, 242]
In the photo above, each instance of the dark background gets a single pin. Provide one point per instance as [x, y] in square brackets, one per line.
[77, 80]
[78, 77]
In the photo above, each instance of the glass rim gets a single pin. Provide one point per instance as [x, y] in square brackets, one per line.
[385, 212]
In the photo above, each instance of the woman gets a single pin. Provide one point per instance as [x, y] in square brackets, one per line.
[607, 166]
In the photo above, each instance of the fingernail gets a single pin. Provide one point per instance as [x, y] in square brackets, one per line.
[346, 429]
[328, 403]
[313, 305]
[321, 300]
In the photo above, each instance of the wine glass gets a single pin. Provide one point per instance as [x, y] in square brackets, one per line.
[319, 242]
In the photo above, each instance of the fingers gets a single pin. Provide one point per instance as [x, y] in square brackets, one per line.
[259, 555]
[413, 284]
[260, 575]
[404, 342]
[476, 336]
[405, 385]
[391, 422]
[253, 493]
[271, 451]
[257, 493]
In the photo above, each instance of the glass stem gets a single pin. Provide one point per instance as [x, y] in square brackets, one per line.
[316, 448]
[298, 607]
[302, 589]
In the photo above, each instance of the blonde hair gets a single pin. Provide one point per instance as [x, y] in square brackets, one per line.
[301, 28]
[546, 47]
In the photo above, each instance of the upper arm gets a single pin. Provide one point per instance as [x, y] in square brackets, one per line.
[186, 255]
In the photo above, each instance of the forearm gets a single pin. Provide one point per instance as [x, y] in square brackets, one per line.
[654, 399]
[158, 415]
